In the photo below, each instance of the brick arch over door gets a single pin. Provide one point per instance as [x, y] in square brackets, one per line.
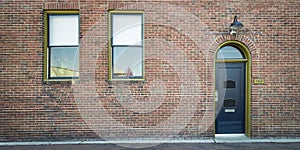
[224, 38]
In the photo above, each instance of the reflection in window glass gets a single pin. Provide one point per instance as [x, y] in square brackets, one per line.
[64, 62]
[229, 52]
[127, 61]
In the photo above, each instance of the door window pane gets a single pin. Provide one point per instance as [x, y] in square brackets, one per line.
[229, 84]
[229, 103]
[229, 52]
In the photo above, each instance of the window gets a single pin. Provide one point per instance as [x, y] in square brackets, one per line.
[229, 103]
[126, 45]
[229, 84]
[229, 52]
[61, 44]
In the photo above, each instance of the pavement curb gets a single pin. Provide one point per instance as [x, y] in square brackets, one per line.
[153, 141]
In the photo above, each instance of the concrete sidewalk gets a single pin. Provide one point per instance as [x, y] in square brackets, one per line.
[231, 142]
[166, 146]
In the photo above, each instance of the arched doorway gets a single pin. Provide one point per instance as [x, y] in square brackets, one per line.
[232, 88]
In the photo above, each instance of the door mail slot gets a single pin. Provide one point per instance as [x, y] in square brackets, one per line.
[229, 110]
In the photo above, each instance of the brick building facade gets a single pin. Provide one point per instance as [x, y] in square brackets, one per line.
[171, 89]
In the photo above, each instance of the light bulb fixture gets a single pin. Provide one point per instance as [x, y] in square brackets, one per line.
[235, 26]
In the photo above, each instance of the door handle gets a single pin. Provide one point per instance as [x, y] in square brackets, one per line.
[216, 95]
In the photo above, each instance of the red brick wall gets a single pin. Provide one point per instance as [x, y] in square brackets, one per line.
[176, 98]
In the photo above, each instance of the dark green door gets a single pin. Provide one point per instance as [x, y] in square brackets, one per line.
[230, 98]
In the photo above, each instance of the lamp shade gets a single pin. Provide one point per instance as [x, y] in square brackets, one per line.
[236, 25]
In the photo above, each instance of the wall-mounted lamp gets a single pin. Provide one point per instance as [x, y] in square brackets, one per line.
[235, 26]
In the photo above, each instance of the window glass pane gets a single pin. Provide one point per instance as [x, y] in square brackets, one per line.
[229, 84]
[229, 52]
[64, 62]
[127, 29]
[127, 62]
[63, 30]
[229, 103]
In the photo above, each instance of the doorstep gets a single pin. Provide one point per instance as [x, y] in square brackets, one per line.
[231, 138]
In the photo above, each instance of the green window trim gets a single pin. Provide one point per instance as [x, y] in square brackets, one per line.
[117, 48]
[47, 58]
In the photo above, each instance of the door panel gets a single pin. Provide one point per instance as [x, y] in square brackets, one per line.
[230, 105]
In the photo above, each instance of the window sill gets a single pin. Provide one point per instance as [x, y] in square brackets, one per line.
[125, 80]
[61, 80]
